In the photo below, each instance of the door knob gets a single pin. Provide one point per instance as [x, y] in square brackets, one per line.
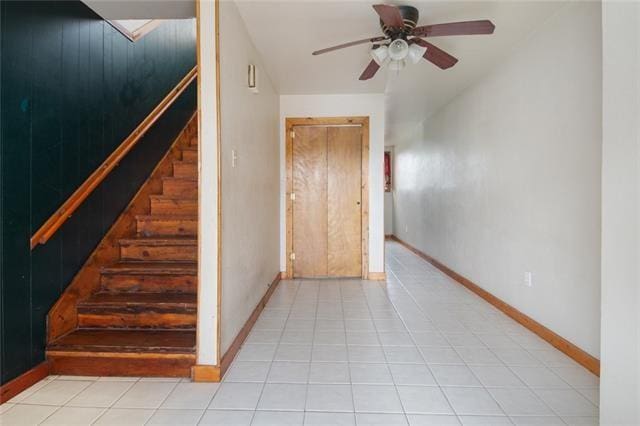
[358, 202]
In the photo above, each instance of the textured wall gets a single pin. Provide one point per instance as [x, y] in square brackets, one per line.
[620, 379]
[250, 206]
[505, 179]
[72, 89]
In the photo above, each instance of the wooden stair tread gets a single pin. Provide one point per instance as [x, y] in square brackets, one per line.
[165, 217]
[174, 204]
[163, 197]
[151, 268]
[190, 148]
[147, 341]
[160, 241]
[179, 300]
[180, 178]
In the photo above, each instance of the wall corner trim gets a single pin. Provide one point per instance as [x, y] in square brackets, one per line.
[23, 381]
[377, 276]
[572, 351]
[205, 373]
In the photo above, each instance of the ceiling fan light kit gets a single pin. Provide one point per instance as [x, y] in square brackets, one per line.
[416, 52]
[398, 49]
[380, 55]
[404, 40]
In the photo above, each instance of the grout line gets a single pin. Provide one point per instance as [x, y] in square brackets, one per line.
[313, 338]
[404, 413]
[155, 410]
[503, 364]
[264, 384]
[353, 400]
[426, 363]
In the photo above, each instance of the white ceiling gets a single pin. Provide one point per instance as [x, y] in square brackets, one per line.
[143, 9]
[287, 31]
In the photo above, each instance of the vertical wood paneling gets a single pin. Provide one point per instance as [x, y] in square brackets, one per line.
[16, 85]
[72, 89]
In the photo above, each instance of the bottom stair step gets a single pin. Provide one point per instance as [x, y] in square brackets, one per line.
[87, 352]
[121, 365]
[123, 353]
[127, 341]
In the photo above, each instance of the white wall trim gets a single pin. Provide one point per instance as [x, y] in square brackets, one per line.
[207, 326]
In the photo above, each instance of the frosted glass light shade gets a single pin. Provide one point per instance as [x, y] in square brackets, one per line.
[398, 49]
[380, 55]
[415, 53]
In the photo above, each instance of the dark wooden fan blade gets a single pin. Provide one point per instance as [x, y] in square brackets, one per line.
[370, 70]
[390, 15]
[351, 43]
[455, 28]
[435, 55]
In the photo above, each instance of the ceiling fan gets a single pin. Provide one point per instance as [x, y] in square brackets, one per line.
[403, 42]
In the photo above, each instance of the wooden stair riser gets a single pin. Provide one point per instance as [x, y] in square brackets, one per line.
[135, 342]
[184, 169]
[174, 206]
[190, 155]
[159, 226]
[193, 141]
[135, 318]
[161, 253]
[179, 187]
[123, 283]
[91, 364]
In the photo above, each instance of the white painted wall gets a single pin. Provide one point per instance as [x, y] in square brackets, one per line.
[388, 213]
[207, 335]
[371, 105]
[506, 178]
[250, 201]
[620, 366]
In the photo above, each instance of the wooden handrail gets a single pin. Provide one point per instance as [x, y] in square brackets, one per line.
[67, 209]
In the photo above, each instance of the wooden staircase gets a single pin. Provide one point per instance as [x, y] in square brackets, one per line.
[141, 321]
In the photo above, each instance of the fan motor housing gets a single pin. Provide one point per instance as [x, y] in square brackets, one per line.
[410, 17]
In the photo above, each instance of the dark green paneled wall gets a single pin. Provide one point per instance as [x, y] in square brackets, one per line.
[71, 89]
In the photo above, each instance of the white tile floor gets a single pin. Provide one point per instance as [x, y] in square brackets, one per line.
[419, 349]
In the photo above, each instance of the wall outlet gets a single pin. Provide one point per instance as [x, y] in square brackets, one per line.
[528, 279]
[234, 158]
[406, 228]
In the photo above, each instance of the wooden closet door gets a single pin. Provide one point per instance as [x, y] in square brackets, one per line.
[310, 204]
[344, 191]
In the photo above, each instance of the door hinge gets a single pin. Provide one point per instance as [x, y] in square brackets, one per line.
[292, 196]
[293, 134]
[292, 256]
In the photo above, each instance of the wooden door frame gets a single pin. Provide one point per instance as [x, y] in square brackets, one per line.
[290, 122]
